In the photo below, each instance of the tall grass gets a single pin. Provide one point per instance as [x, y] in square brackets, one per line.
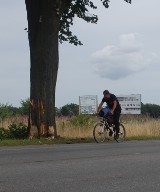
[82, 126]
[139, 126]
[76, 127]
[15, 119]
[150, 128]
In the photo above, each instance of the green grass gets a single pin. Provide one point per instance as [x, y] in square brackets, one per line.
[20, 142]
[25, 142]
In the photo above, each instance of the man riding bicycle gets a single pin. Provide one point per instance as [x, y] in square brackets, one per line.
[114, 106]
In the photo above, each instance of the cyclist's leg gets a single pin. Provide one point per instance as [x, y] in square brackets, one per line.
[116, 117]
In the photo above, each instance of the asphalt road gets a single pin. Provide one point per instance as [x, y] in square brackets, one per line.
[113, 167]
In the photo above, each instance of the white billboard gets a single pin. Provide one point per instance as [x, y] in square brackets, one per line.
[130, 104]
[88, 104]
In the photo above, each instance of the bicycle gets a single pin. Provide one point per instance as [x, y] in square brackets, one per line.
[104, 130]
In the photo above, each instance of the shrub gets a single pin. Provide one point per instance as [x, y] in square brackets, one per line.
[18, 131]
[4, 133]
[82, 120]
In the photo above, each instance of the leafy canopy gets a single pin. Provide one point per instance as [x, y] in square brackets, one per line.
[80, 9]
[70, 109]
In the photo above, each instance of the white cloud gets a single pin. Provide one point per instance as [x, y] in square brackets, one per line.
[125, 58]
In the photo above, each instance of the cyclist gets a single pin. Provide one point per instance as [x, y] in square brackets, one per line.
[114, 106]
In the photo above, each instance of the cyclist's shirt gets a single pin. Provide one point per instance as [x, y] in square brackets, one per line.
[109, 102]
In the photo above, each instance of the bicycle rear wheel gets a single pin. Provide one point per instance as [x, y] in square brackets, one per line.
[122, 134]
[99, 133]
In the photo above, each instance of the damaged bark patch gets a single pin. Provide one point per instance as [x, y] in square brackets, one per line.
[38, 125]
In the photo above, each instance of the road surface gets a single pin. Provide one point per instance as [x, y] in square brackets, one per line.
[124, 167]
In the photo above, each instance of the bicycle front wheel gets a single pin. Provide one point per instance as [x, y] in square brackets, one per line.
[99, 133]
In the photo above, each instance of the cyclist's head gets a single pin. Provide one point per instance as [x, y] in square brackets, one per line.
[106, 93]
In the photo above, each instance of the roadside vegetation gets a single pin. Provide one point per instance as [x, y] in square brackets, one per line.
[136, 126]
[74, 128]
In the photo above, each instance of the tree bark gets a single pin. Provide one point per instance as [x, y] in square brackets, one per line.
[43, 28]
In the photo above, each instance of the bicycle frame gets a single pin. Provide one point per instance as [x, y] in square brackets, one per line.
[106, 124]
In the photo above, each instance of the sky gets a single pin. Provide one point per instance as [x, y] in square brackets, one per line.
[121, 53]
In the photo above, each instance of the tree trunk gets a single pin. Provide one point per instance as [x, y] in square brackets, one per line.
[43, 28]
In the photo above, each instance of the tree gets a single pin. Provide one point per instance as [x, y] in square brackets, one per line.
[57, 111]
[24, 109]
[152, 110]
[48, 21]
[70, 109]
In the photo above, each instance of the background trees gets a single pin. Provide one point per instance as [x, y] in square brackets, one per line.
[72, 109]
[24, 108]
[151, 110]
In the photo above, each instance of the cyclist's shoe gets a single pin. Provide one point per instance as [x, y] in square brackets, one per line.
[110, 133]
[117, 136]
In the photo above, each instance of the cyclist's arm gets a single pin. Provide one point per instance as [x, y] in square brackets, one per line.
[100, 106]
[114, 106]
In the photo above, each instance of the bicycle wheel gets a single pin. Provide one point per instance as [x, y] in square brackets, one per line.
[99, 133]
[122, 134]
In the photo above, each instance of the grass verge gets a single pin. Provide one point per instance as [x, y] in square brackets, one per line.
[25, 142]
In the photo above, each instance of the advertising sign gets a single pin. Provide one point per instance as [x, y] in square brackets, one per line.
[130, 104]
[88, 104]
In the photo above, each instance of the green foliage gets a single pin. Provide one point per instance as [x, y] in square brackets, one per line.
[14, 131]
[80, 9]
[151, 110]
[58, 111]
[70, 109]
[82, 120]
[5, 111]
[8, 110]
[24, 109]
[17, 131]
[15, 111]
[4, 133]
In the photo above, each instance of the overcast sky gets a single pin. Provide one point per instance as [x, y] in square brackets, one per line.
[121, 53]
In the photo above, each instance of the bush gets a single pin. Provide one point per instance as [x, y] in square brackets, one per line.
[18, 131]
[82, 120]
[4, 133]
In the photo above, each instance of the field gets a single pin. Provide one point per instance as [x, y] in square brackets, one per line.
[137, 126]
[82, 126]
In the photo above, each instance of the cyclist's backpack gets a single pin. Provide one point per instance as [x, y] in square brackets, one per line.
[104, 111]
